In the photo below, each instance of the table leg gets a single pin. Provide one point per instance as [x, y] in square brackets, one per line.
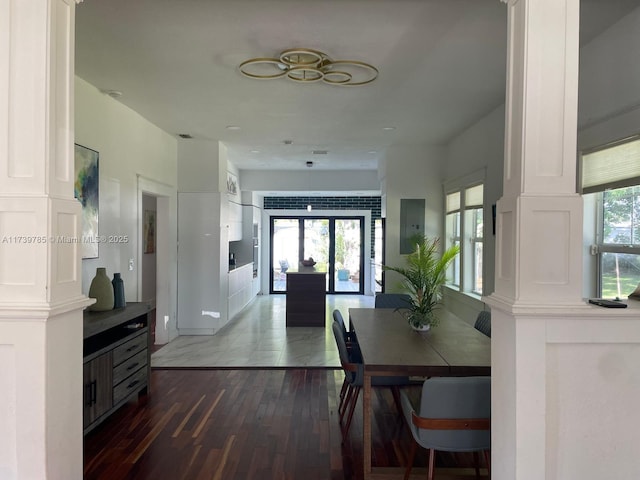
[366, 424]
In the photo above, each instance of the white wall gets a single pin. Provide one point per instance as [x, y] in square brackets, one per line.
[609, 100]
[306, 181]
[133, 152]
[479, 148]
[129, 146]
[413, 172]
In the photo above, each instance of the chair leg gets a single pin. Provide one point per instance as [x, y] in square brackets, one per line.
[395, 390]
[351, 410]
[432, 462]
[476, 463]
[343, 392]
[487, 460]
[346, 401]
[411, 459]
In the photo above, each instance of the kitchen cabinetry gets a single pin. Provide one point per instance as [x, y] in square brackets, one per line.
[306, 295]
[240, 288]
[235, 221]
[116, 360]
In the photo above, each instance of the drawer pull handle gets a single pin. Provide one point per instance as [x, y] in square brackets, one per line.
[89, 394]
[132, 366]
[133, 384]
[132, 347]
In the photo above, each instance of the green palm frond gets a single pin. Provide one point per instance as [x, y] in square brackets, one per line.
[424, 274]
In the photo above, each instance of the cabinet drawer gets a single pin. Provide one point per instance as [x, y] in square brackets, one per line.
[130, 347]
[129, 366]
[130, 385]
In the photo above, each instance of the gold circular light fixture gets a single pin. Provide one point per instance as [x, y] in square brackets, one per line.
[305, 65]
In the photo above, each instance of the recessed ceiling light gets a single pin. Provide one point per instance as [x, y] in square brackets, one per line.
[372, 152]
[388, 128]
[255, 151]
[112, 93]
[232, 127]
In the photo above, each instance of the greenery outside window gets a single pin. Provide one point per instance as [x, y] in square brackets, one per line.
[464, 226]
[612, 174]
[619, 250]
[452, 228]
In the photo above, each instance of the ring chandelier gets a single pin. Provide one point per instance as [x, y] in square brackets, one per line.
[305, 65]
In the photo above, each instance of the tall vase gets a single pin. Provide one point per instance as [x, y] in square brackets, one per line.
[102, 290]
[118, 291]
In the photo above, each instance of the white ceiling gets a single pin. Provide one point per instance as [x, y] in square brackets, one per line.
[441, 63]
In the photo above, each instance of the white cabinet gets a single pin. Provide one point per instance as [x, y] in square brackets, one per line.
[202, 269]
[235, 221]
[240, 288]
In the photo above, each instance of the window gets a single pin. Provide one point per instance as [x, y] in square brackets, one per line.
[464, 226]
[453, 234]
[612, 174]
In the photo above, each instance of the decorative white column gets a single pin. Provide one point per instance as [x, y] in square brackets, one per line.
[40, 289]
[553, 357]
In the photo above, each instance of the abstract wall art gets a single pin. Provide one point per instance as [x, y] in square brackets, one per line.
[87, 192]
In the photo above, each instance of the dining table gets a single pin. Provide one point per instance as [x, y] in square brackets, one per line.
[391, 347]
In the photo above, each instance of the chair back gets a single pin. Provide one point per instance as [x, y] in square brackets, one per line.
[350, 369]
[392, 300]
[483, 323]
[337, 316]
[456, 398]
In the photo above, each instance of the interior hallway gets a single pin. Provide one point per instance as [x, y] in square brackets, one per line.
[258, 337]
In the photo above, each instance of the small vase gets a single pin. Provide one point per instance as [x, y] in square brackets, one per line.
[118, 291]
[422, 328]
[102, 290]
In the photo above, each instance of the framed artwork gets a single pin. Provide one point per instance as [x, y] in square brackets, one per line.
[232, 184]
[149, 231]
[86, 190]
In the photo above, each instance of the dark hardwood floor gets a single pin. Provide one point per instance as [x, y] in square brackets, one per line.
[242, 424]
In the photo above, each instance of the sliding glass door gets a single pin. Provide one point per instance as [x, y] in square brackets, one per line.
[335, 243]
[348, 255]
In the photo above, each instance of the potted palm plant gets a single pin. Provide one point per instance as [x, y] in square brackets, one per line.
[423, 278]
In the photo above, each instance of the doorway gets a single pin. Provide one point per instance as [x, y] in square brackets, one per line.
[335, 243]
[162, 287]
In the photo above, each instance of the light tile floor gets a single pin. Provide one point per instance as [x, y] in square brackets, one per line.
[258, 337]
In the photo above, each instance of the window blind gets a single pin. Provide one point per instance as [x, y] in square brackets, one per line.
[616, 166]
[473, 196]
[453, 202]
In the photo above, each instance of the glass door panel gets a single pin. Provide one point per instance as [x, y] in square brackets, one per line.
[316, 243]
[334, 243]
[348, 255]
[376, 268]
[285, 247]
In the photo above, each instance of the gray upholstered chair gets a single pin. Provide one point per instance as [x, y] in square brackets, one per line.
[454, 416]
[354, 378]
[353, 351]
[483, 323]
[392, 300]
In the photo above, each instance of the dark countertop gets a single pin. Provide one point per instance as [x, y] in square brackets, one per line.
[303, 269]
[240, 265]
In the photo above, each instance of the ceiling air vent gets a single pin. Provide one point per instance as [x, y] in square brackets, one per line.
[319, 152]
[185, 135]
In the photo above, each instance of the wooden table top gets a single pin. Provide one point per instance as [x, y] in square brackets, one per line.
[390, 345]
